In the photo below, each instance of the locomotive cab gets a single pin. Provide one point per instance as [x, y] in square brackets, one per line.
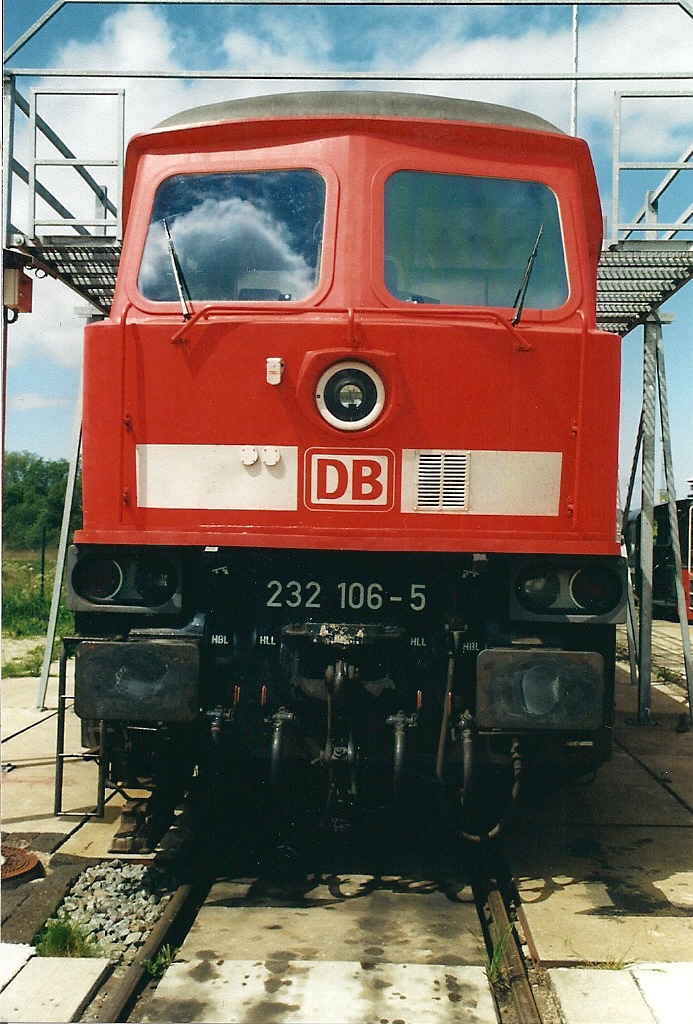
[350, 443]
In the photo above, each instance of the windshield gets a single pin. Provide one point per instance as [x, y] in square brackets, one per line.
[466, 241]
[253, 237]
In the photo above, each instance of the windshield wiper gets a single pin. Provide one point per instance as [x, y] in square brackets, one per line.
[519, 302]
[177, 273]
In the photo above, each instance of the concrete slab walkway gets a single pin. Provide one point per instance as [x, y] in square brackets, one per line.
[646, 994]
[323, 992]
[51, 989]
[605, 870]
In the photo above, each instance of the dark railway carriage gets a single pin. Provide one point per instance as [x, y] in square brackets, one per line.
[350, 452]
[664, 588]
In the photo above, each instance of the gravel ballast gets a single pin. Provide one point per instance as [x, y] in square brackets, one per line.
[117, 904]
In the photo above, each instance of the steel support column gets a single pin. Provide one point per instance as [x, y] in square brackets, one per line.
[62, 551]
[653, 331]
[681, 597]
[654, 385]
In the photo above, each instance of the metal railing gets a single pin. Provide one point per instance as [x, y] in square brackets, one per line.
[107, 219]
[646, 222]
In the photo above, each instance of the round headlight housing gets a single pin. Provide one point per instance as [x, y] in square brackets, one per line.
[97, 578]
[537, 591]
[596, 589]
[350, 396]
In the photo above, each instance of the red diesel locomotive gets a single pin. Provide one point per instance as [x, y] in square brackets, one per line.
[350, 454]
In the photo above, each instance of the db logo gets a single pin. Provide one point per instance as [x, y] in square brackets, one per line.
[344, 478]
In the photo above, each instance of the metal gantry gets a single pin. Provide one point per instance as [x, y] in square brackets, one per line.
[643, 263]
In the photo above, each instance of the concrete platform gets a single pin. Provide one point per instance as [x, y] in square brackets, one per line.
[647, 994]
[28, 759]
[615, 858]
[29, 740]
[323, 992]
[13, 956]
[355, 951]
[47, 988]
[355, 918]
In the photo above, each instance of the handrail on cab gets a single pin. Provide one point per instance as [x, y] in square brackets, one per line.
[521, 343]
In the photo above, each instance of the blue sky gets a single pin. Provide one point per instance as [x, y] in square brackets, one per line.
[44, 349]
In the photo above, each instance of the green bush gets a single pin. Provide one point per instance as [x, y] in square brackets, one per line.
[25, 610]
[33, 499]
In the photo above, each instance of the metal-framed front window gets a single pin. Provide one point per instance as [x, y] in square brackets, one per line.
[464, 240]
[251, 236]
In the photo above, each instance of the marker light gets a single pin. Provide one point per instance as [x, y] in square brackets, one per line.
[537, 591]
[97, 578]
[155, 580]
[596, 589]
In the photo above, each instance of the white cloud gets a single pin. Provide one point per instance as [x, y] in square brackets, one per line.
[29, 401]
[623, 39]
[281, 43]
[134, 38]
[53, 331]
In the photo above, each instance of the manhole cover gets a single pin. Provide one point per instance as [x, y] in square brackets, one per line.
[16, 861]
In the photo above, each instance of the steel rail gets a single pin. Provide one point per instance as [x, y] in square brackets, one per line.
[513, 966]
[120, 997]
[495, 893]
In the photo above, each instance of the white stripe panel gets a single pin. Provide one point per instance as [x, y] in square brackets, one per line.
[499, 484]
[212, 476]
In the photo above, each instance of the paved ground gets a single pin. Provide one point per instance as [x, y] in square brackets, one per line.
[667, 650]
[615, 858]
[359, 949]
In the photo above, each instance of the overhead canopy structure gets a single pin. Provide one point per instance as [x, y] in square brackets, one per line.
[635, 278]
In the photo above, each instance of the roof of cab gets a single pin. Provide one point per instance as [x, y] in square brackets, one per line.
[357, 104]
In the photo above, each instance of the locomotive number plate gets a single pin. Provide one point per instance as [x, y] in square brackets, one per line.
[346, 595]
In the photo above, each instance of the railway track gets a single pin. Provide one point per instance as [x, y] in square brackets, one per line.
[520, 990]
[426, 934]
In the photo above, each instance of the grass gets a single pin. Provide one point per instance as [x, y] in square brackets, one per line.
[60, 937]
[29, 664]
[158, 965]
[617, 964]
[25, 609]
[494, 963]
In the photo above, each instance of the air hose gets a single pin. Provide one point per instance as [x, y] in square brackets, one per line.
[467, 723]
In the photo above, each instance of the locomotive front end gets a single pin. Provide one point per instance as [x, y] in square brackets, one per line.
[350, 455]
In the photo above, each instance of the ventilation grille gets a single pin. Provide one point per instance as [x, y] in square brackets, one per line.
[442, 480]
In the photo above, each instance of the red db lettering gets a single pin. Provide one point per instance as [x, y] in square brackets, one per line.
[331, 485]
[344, 479]
[366, 485]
